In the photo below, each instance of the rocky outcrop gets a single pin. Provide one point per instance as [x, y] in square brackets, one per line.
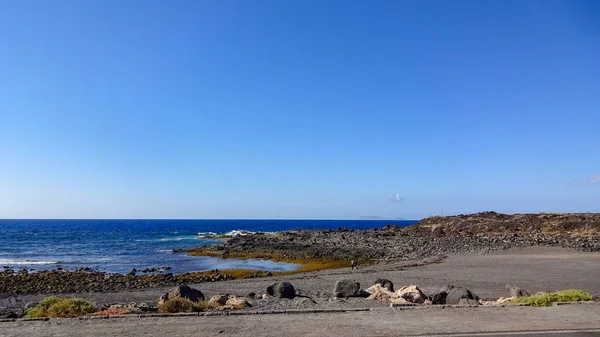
[282, 290]
[185, 292]
[431, 237]
[492, 223]
[346, 288]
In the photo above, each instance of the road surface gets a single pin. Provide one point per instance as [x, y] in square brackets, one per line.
[575, 320]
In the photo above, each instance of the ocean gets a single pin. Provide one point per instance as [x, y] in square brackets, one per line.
[117, 246]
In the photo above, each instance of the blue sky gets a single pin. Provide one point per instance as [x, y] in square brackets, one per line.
[298, 109]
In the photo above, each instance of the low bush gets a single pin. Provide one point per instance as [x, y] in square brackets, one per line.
[57, 307]
[175, 305]
[546, 299]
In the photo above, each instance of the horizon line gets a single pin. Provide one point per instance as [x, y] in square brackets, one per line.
[218, 219]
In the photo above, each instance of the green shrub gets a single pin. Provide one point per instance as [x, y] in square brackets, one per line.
[175, 305]
[56, 307]
[41, 310]
[546, 299]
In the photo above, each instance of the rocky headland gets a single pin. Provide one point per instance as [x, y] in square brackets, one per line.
[441, 235]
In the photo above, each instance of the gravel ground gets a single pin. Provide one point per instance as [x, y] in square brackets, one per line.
[534, 269]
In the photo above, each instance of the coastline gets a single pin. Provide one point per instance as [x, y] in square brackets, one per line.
[534, 269]
[313, 250]
[118, 246]
[484, 261]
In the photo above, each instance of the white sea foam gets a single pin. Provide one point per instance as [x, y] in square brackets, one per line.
[239, 232]
[205, 234]
[15, 262]
[176, 238]
[164, 251]
[171, 239]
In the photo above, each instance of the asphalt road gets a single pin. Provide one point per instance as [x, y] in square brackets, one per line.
[580, 333]
[566, 320]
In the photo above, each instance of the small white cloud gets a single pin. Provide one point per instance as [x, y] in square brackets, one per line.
[395, 197]
[595, 180]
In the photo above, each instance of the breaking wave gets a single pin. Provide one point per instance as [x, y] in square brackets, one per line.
[17, 262]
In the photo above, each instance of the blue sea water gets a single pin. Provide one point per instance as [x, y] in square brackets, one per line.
[120, 245]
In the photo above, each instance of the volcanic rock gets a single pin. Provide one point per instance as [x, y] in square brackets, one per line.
[281, 290]
[346, 288]
[191, 294]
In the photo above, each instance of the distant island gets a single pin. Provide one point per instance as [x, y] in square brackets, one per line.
[375, 217]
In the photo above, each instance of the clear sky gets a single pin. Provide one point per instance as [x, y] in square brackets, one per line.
[298, 109]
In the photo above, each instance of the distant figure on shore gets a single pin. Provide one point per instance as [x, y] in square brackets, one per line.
[353, 263]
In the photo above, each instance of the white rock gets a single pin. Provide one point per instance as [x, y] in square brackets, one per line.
[412, 294]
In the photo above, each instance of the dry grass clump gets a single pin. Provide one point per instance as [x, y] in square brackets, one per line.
[57, 307]
[546, 299]
[176, 305]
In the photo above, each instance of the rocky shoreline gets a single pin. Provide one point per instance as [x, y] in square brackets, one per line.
[86, 280]
[464, 234]
[430, 238]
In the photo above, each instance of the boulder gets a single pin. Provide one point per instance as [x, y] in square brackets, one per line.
[385, 283]
[191, 294]
[456, 293]
[515, 291]
[218, 300]
[251, 296]
[439, 298]
[236, 303]
[281, 290]
[411, 294]
[379, 293]
[346, 288]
